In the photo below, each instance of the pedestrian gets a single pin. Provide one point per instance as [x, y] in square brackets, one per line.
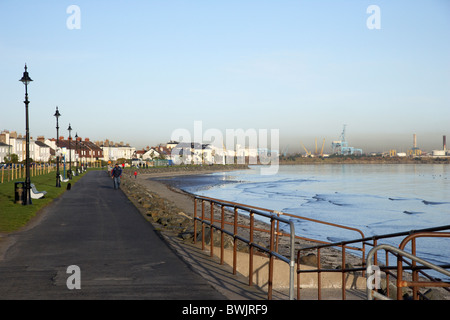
[116, 173]
[135, 174]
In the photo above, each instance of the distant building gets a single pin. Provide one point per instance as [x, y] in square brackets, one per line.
[79, 150]
[41, 152]
[115, 151]
[4, 151]
[17, 144]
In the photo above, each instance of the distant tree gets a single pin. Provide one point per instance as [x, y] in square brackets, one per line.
[121, 160]
[14, 158]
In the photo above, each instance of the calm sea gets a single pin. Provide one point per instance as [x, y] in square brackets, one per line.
[375, 198]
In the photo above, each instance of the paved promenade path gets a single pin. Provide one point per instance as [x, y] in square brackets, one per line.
[119, 254]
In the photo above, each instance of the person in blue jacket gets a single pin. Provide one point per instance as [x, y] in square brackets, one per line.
[116, 173]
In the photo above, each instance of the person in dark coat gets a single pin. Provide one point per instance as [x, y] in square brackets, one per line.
[116, 173]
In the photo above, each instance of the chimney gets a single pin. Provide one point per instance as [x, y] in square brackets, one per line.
[414, 141]
[444, 138]
[86, 139]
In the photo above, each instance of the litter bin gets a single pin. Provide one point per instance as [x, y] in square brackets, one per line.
[19, 192]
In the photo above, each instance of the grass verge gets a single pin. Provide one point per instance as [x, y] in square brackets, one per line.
[13, 216]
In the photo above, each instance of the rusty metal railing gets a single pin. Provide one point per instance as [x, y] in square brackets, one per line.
[274, 231]
[401, 254]
[373, 241]
[357, 245]
[279, 233]
[250, 241]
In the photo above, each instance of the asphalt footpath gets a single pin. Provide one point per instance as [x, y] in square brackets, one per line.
[92, 243]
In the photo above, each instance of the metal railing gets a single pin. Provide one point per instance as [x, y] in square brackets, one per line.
[232, 228]
[371, 293]
[373, 241]
[275, 232]
[250, 241]
[279, 232]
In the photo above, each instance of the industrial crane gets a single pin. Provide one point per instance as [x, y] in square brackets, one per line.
[308, 153]
[341, 146]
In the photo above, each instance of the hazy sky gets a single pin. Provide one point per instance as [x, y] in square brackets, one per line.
[135, 71]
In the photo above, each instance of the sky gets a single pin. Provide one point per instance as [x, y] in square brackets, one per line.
[136, 71]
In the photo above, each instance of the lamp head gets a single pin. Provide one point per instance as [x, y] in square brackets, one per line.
[25, 78]
[57, 114]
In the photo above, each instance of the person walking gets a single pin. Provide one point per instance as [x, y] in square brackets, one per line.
[116, 173]
[135, 174]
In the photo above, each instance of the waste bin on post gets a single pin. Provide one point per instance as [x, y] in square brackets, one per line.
[19, 192]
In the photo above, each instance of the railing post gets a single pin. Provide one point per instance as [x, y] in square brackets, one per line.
[319, 277]
[271, 257]
[298, 275]
[222, 227]
[203, 224]
[250, 254]
[235, 240]
[211, 230]
[292, 262]
[195, 220]
[415, 273]
[277, 234]
[343, 272]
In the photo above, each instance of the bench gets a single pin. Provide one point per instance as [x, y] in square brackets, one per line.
[36, 194]
[63, 180]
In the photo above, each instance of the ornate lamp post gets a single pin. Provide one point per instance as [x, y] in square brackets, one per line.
[76, 153]
[70, 153]
[27, 198]
[58, 177]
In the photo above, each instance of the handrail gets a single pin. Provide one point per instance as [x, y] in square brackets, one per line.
[343, 245]
[371, 293]
[292, 216]
[275, 217]
[271, 252]
[415, 277]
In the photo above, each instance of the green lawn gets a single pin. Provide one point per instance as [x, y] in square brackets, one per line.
[14, 216]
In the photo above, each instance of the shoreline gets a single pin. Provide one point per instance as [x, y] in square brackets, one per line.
[163, 196]
[363, 160]
[171, 211]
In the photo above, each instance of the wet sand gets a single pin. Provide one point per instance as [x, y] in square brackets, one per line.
[164, 184]
[180, 201]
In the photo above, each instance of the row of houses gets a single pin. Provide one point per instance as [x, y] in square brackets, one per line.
[72, 149]
[85, 151]
[12, 143]
[199, 153]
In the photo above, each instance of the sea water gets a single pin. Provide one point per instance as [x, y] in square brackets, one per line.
[374, 198]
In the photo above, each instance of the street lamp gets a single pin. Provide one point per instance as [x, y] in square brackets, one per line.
[76, 153]
[27, 198]
[58, 178]
[70, 153]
